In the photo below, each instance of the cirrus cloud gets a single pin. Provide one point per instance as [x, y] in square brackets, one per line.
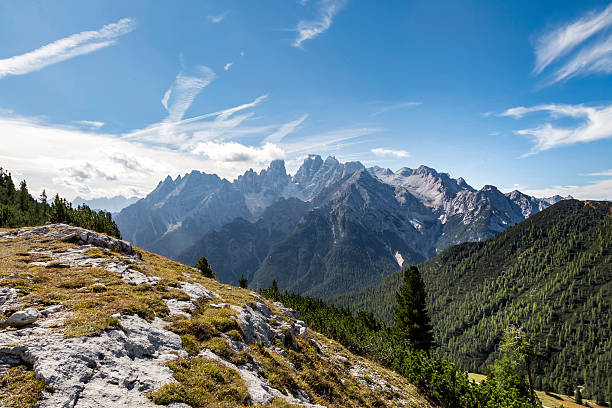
[66, 48]
[596, 124]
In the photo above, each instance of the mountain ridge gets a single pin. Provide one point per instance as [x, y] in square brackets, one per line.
[410, 214]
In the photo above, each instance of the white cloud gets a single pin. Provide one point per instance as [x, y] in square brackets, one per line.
[186, 133]
[605, 173]
[227, 66]
[309, 29]
[396, 106]
[73, 161]
[218, 18]
[330, 141]
[284, 130]
[595, 59]
[381, 151]
[596, 125]
[66, 48]
[597, 190]
[92, 124]
[590, 39]
[556, 43]
[179, 97]
[236, 152]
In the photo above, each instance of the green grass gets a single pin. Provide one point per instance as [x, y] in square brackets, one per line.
[203, 384]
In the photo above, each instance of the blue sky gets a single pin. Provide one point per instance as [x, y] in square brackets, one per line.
[100, 98]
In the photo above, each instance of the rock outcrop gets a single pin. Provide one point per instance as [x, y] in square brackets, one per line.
[131, 358]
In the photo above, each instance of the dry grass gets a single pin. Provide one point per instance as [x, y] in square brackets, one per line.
[93, 295]
[20, 389]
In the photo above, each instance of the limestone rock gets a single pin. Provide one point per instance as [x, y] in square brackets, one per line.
[22, 318]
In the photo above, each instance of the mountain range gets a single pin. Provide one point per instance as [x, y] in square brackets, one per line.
[330, 228]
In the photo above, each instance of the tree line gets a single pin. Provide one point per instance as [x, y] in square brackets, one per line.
[408, 347]
[551, 274]
[19, 209]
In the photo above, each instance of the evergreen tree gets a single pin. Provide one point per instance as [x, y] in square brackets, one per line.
[204, 268]
[411, 319]
[243, 282]
[509, 373]
[578, 396]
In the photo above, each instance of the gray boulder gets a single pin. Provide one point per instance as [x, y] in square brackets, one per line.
[22, 318]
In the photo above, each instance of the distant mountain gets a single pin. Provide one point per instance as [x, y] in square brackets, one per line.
[239, 247]
[550, 274]
[112, 204]
[340, 222]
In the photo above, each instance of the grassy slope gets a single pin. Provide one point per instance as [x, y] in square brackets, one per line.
[551, 274]
[327, 382]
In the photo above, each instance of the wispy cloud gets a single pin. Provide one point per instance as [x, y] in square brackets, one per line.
[179, 97]
[237, 152]
[92, 124]
[596, 125]
[381, 151]
[330, 141]
[309, 29]
[73, 161]
[595, 59]
[396, 106]
[218, 18]
[66, 48]
[557, 43]
[284, 130]
[227, 66]
[607, 173]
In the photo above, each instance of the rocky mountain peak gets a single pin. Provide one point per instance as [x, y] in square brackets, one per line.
[307, 170]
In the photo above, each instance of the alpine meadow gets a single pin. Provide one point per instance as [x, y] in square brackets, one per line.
[305, 203]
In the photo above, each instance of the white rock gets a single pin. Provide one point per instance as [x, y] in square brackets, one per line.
[116, 369]
[52, 309]
[22, 318]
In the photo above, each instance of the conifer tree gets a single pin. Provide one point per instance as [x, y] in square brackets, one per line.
[204, 268]
[411, 319]
[578, 396]
[243, 282]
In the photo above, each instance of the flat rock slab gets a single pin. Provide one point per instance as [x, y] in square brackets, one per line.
[117, 368]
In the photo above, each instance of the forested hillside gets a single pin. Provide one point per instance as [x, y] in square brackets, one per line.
[18, 208]
[551, 274]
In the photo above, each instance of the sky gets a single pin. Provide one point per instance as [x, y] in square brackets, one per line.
[100, 98]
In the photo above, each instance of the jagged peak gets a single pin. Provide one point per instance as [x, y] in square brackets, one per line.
[489, 187]
[315, 157]
[353, 166]
[422, 169]
[331, 160]
[277, 166]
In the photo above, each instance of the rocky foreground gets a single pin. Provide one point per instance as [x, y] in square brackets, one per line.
[96, 322]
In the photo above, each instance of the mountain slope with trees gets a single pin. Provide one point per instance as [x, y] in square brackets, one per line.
[551, 275]
[18, 208]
